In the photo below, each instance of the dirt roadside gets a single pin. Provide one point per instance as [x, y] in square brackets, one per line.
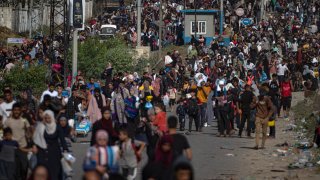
[271, 163]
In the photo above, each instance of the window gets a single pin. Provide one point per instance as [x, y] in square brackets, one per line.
[201, 29]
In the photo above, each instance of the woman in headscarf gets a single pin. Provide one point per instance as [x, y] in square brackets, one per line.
[48, 139]
[100, 157]
[151, 133]
[146, 95]
[96, 103]
[164, 151]
[105, 123]
[156, 85]
[117, 104]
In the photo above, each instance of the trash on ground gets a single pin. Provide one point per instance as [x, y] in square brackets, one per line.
[227, 148]
[283, 144]
[290, 127]
[277, 170]
[230, 155]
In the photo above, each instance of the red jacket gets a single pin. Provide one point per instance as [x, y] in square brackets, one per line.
[161, 121]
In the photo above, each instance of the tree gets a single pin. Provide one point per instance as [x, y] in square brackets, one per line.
[94, 55]
[20, 78]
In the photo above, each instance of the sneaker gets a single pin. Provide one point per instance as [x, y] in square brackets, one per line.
[205, 125]
[188, 133]
[256, 148]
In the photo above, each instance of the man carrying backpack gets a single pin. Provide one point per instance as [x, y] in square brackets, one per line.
[193, 110]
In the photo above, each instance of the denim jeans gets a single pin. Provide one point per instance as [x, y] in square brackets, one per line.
[202, 114]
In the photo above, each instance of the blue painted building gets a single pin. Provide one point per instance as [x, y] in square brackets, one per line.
[204, 20]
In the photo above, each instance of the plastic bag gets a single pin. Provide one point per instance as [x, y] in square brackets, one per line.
[166, 100]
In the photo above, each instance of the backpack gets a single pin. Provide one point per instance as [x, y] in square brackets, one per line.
[130, 109]
[193, 107]
[135, 149]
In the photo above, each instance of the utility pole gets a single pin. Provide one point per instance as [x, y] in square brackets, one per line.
[195, 19]
[139, 23]
[262, 10]
[30, 18]
[74, 55]
[221, 17]
[160, 31]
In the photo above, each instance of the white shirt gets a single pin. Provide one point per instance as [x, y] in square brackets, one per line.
[9, 66]
[282, 69]
[5, 110]
[167, 60]
[47, 92]
[295, 47]
[250, 66]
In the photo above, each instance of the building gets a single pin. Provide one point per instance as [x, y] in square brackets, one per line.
[202, 22]
[18, 16]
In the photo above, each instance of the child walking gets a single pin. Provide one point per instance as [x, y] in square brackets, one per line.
[130, 154]
[172, 96]
[181, 113]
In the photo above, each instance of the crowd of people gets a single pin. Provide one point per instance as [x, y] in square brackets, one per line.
[245, 86]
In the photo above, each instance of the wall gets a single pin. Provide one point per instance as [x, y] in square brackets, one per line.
[17, 18]
[6, 17]
[209, 18]
[210, 30]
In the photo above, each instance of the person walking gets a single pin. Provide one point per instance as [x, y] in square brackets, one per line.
[193, 110]
[105, 123]
[48, 140]
[20, 129]
[181, 146]
[246, 99]
[265, 109]
[286, 96]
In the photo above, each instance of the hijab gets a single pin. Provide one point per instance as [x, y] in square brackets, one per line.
[165, 158]
[102, 134]
[156, 86]
[52, 126]
[43, 127]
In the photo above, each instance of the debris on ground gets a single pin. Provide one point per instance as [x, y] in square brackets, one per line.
[227, 148]
[230, 155]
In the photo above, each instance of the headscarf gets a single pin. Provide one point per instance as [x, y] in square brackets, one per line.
[52, 126]
[165, 158]
[156, 86]
[38, 136]
[102, 134]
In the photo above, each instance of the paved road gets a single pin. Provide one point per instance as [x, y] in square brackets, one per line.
[209, 151]
[231, 157]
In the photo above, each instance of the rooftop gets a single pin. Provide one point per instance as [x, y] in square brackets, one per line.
[209, 11]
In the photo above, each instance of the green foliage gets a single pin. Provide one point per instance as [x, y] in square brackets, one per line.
[94, 55]
[19, 78]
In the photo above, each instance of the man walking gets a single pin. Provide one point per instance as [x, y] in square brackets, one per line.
[265, 110]
[180, 143]
[246, 99]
